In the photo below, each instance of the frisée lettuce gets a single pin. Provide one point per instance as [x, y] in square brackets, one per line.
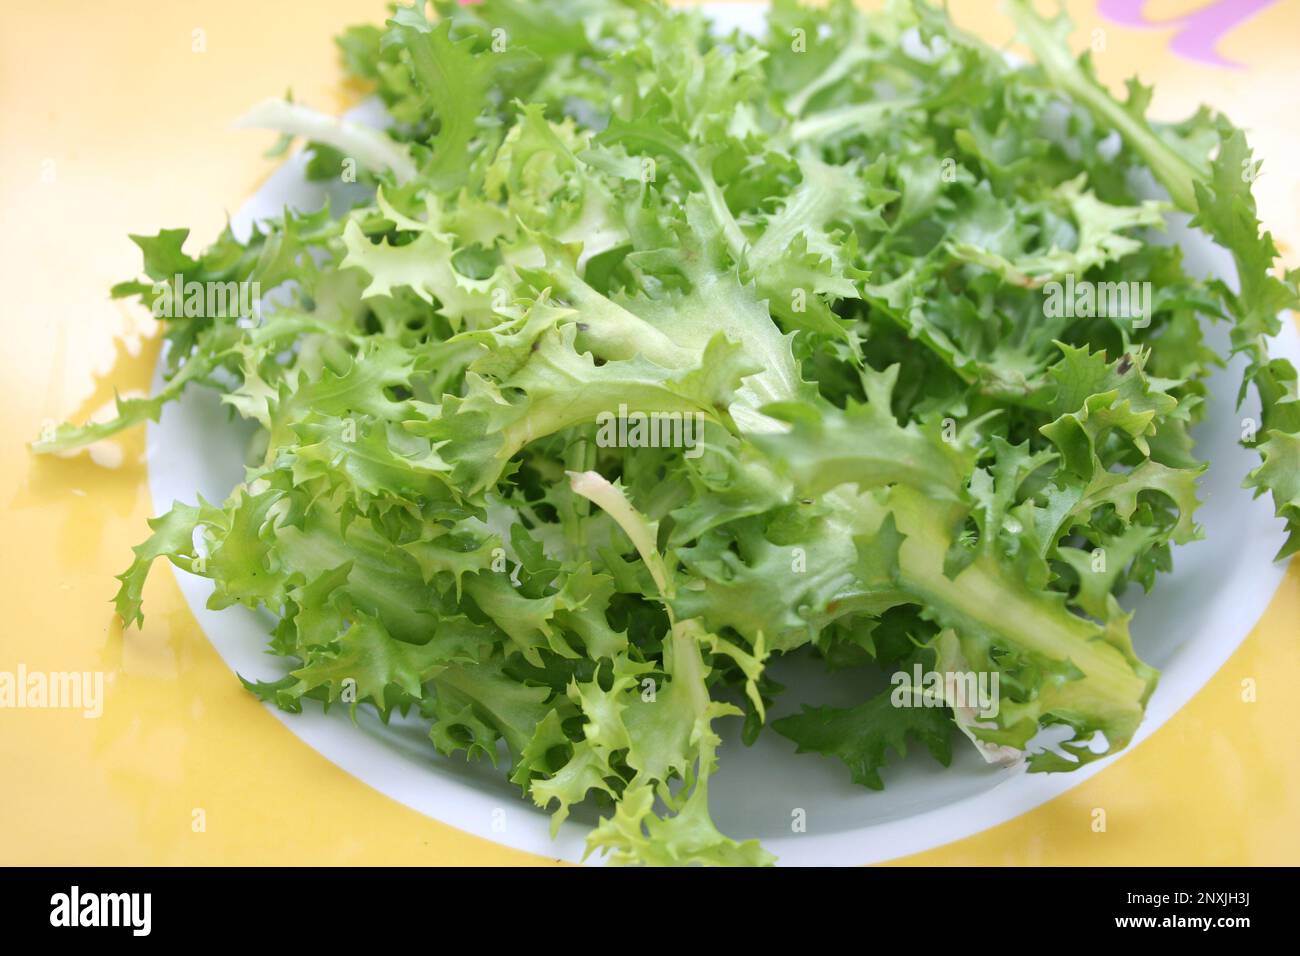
[900, 382]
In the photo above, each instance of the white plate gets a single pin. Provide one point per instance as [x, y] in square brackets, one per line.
[1187, 627]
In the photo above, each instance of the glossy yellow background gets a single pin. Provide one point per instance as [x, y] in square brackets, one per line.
[111, 122]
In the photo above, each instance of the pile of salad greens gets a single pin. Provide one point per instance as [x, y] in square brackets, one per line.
[830, 246]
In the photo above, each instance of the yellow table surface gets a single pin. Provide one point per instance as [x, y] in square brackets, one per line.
[111, 122]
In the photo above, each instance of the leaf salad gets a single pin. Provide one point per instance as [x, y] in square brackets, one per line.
[852, 266]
